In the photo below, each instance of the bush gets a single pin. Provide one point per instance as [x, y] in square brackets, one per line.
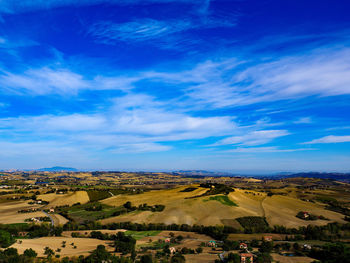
[30, 253]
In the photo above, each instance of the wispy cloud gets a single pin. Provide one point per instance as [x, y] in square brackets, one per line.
[253, 138]
[136, 122]
[271, 149]
[303, 120]
[166, 34]
[330, 139]
[12, 6]
[52, 80]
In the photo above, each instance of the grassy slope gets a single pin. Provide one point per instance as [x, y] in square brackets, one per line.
[278, 209]
[65, 199]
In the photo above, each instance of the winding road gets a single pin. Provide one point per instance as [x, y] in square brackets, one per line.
[48, 215]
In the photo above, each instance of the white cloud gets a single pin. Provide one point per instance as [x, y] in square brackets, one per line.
[253, 138]
[136, 122]
[235, 82]
[43, 81]
[46, 80]
[330, 139]
[271, 149]
[13, 6]
[303, 120]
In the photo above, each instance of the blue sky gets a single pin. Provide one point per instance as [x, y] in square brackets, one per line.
[243, 86]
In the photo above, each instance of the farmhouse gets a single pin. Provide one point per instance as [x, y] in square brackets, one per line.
[172, 250]
[246, 257]
[306, 214]
[212, 243]
[267, 238]
[243, 246]
[307, 247]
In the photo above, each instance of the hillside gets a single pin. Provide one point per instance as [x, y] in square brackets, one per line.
[181, 209]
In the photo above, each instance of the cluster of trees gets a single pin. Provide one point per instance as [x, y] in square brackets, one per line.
[33, 230]
[6, 239]
[334, 205]
[253, 224]
[40, 218]
[310, 217]
[128, 207]
[10, 255]
[123, 243]
[331, 253]
[215, 189]
[189, 189]
[327, 232]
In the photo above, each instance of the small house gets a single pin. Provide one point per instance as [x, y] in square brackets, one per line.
[306, 214]
[243, 246]
[267, 238]
[52, 210]
[246, 257]
[22, 234]
[167, 240]
[212, 243]
[307, 247]
[172, 250]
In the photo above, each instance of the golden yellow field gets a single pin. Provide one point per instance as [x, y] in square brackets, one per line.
[281, 210]
[278, 209]
[284, 259]
[9, 212]
[83, 245]
[65, 199]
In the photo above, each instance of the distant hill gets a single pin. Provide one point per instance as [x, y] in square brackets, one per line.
[58, 169]
[201, 173]
[332, 176]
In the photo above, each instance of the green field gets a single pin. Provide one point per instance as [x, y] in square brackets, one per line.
[80, 214]
[141, 234]
[223, 199]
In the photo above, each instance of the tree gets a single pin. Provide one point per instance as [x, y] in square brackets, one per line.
[296, 246]
[199, 250]
[233, 258]
[127, 205]
[146, 259]
[266, 247]
[48, 252]
[264, 258]
[30, 253]
[178, 258]
[6, 239]
[99, 254]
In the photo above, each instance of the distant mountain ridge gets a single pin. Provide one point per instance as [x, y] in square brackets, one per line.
[333, 176]
[58, 169]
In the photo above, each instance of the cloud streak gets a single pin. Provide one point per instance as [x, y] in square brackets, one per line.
[330, 139]
[253, 138]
